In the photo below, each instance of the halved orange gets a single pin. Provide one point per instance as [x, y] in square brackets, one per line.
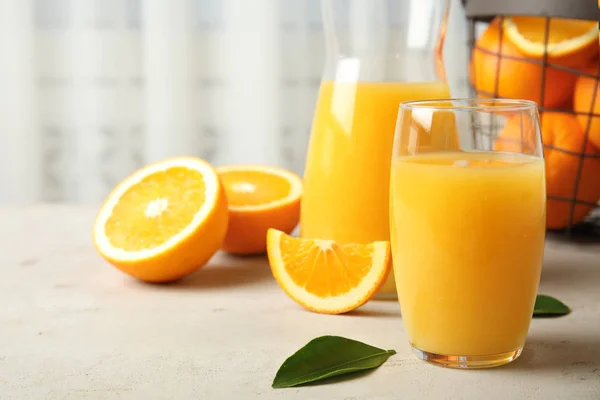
[499, 69]
[259, 198]
[164, 221]
[570, 40]
[324, 276]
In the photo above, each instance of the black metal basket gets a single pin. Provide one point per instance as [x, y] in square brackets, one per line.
[480, 12]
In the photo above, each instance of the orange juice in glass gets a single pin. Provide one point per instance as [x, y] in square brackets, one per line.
[467, 231]
[371, 68]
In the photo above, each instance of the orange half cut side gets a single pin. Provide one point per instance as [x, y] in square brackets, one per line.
[164, 221]
[260, 197]
[570, 39]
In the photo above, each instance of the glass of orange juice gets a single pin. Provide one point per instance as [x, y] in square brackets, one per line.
[379, 53]
[467, 222]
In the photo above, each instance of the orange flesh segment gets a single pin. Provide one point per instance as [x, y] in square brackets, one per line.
[326, 271]
[253, 188]
[534, 28]
[141, 221]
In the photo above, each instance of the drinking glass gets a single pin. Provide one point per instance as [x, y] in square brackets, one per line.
[467, 222]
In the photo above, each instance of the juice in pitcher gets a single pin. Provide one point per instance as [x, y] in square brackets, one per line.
[347, 172]
[373, 63]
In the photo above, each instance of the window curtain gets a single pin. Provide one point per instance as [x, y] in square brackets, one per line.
[90, 90]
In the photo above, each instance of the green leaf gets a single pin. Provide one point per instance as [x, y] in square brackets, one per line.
[328, 356]
[547, 306]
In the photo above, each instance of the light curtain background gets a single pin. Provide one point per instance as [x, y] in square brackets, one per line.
[90, 90]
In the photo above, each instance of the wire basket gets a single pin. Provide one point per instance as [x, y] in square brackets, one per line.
[574, 209]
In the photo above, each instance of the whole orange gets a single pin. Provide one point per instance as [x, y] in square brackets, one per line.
[582, 103]
[517, 79]
[563, 142]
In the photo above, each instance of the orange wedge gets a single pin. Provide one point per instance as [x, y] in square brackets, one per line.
[260, 198]
[164, 221]
[571, 40]
[324, 276]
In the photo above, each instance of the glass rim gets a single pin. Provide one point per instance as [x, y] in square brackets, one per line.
[471, 104]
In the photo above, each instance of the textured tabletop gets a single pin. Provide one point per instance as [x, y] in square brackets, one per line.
[73, 327]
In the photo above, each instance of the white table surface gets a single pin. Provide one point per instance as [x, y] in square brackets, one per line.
[73, 327]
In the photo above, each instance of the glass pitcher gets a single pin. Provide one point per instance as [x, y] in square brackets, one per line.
[379, 53]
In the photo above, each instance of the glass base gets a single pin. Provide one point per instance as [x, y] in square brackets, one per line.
[468, 362]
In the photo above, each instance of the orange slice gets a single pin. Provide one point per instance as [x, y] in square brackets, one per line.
[164, 221]
[259, 198]
[325, 276]
[571, 39]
